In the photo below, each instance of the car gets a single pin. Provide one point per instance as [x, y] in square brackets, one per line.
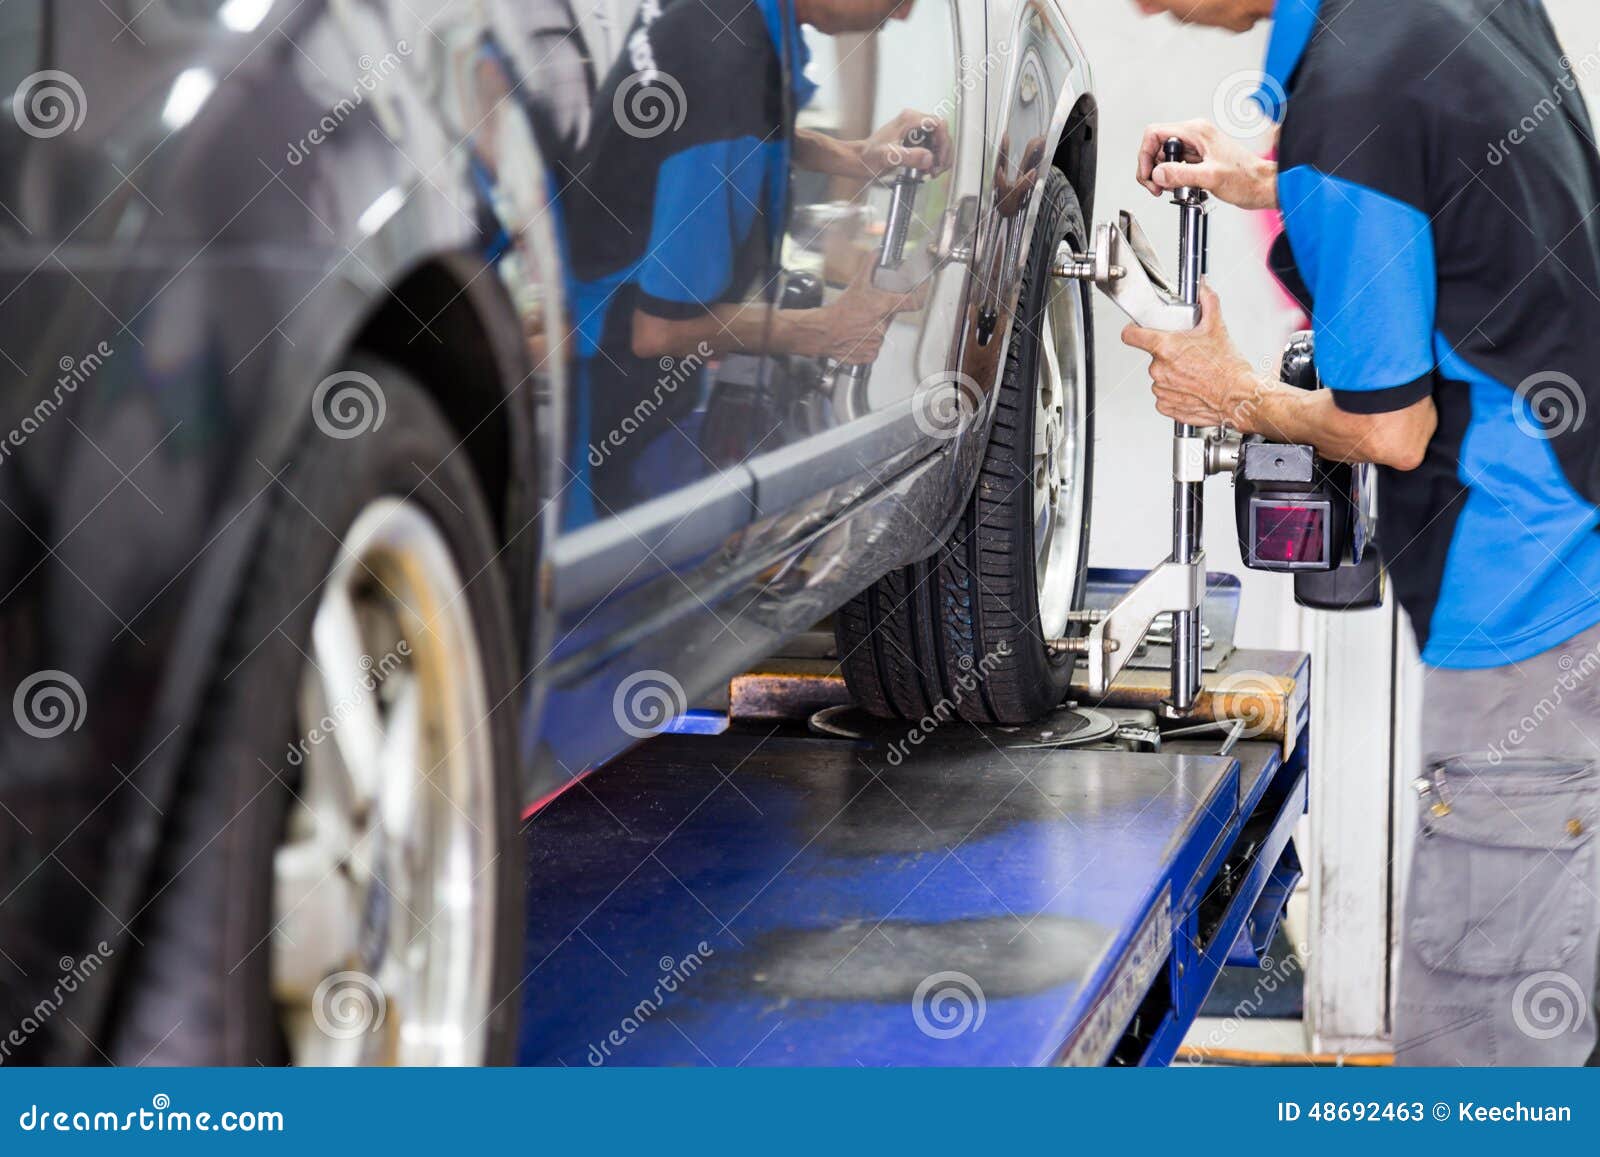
[377, 460]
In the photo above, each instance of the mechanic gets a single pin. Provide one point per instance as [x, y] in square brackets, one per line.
[675, 205]
[1438, 178]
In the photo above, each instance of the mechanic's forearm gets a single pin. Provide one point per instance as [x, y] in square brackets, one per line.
[1282, 413]
[819, 153]
[736, 327]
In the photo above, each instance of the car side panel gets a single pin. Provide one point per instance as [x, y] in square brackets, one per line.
[200, 297]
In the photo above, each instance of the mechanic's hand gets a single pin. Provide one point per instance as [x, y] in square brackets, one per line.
[851, 330]
[886, 151]
[1213, 161]
[1198, 377]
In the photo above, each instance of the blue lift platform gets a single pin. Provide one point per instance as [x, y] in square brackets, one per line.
[772, 895]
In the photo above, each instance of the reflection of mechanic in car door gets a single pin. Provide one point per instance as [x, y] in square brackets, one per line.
[1445, 288]
[677, 200]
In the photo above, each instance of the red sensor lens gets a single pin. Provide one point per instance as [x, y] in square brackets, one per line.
[1292, 534]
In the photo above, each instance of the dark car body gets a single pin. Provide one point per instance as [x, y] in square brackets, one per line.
[244, 191]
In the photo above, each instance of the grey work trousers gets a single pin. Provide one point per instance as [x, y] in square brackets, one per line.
[1501, 942]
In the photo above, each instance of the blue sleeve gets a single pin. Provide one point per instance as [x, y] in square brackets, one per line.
[1367, 259]
[706, 201]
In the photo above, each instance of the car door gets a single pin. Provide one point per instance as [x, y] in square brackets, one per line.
[837, 432]
[652, 489]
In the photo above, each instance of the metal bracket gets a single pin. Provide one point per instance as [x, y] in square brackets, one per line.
[1172, 586]
[1126, 268]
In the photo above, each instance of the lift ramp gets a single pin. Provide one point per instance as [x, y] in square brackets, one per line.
[772, 897]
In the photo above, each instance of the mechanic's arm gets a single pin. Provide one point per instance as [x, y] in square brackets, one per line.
[1200, 378]
[849, 330]
[881, 153]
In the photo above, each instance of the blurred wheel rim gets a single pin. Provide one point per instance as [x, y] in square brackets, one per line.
[1061, 419]
[384, 889]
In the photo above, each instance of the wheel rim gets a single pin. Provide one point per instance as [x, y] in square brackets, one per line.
[1060, 426]
[384, 900]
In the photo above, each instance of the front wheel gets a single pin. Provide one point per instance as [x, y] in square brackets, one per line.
[967, 628]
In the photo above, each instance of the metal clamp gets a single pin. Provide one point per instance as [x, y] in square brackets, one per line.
[1125, 267]
[1172, 587]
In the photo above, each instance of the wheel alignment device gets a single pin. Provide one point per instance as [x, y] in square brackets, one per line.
[1296, 513]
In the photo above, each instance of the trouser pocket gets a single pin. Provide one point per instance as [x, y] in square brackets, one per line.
[1502, 925]
[1503, 871]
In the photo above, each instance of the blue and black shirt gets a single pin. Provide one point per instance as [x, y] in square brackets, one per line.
[1441, 193]
[677, 199]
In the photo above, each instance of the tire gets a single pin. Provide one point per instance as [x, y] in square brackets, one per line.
[963, 629]
[381, 525]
